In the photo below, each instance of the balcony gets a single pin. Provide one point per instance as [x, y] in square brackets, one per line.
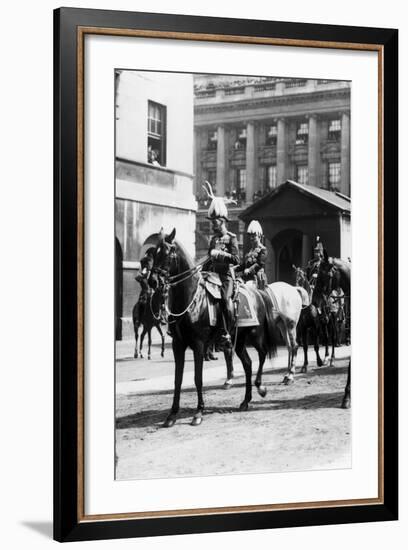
[267, 154]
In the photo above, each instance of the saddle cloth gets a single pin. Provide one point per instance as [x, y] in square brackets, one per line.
[245, 302]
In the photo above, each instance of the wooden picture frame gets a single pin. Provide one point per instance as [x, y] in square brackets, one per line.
[71, 26]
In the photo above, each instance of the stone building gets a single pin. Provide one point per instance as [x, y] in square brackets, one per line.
[154, 173]
[254, 134]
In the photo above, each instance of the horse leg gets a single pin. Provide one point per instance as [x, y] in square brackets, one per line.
[198, 380]
[149, 342]
[179, 350]
[162, 339]
[326, 343]
[242, 353]
[136, 329]
[230, 367]
[347, 391]
[141, 340]
[260, 348]
[316, 345]
[290, 336]
[334, 338]
[305, 344]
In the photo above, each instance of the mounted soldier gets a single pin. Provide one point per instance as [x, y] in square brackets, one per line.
[223, 255]
[312, 267]
[253, 267]
[146, 264]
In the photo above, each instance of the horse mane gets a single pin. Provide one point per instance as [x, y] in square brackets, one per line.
[184, 256]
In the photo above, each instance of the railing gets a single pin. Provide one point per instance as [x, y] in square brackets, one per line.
[265, 87]
[295, 83]
[234, 91]
[205, 93]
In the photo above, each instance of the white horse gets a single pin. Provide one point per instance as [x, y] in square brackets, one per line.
[288, 301]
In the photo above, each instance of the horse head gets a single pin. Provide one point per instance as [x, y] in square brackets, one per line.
[300, 276]
[165, 254]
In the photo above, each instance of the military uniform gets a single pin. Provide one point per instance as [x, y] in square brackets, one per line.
[228, 256]
[254, 266]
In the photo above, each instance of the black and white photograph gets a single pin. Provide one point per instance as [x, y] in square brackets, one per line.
[233, 255]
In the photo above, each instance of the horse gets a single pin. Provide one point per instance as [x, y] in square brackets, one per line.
[334, 273]
[146, 311]
[309, 320]
[186, 300]
[287, 301]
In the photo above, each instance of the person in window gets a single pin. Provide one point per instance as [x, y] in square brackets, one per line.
[152, 156]
[253, 267]
[223, 254]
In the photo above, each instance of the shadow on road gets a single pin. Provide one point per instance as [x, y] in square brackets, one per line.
[156, 417]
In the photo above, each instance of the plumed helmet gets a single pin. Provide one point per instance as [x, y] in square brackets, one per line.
[255, 228]
[218, 208]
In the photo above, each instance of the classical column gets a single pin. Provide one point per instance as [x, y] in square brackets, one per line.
[306, 249]
[345, 154]
[250, 161]
[281, 152]
[313, 151]
[221, 160]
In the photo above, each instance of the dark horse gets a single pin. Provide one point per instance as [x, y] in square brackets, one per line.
[334, 273]
[309, 321]
[147, 310]
[187, 306]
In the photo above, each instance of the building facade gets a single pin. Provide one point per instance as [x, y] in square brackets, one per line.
[154, 173]
[254, 134]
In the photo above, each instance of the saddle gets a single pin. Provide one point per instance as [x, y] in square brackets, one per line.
[242, 298]
[212, 284]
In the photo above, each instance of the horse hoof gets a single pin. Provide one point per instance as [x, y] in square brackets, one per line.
[287, 381]
[244, 406]
[196, 420]
[262, 391]
[227, 384]
[169, 422]
[148, 357]
[346, 403]
[162, 354]
[303, 370]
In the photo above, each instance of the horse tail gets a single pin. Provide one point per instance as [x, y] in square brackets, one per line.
[269, 326]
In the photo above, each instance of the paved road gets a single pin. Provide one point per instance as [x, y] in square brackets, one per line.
[141, 375]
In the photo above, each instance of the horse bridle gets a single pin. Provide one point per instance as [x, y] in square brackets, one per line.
[167, 281]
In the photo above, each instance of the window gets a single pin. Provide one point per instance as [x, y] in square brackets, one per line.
[271, 177]
[302, 175]
[334, 129]
[271, 135]
[334, 175]
[156, 134]
[302, 133]
[240, 142]
[212, 140]
[212, 178]
[241, 179]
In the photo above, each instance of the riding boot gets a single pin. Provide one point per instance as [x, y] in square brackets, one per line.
[225, 337]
